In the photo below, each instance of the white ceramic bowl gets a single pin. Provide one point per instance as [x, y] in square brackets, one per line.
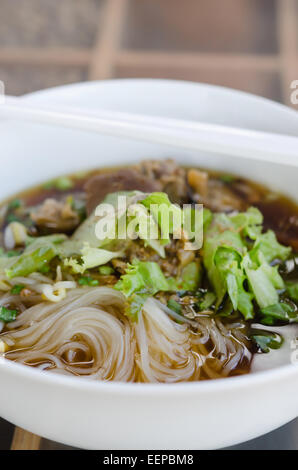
[98, 415]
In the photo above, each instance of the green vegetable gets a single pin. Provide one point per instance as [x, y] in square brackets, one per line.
[142, 280]
[45, 269]
[191, 276]
[17, 289]
[281, 312]
[159, 206]
[15, 204]
[88, 281]
[145, 227]
[268, 246]
[105, 270]
[266, 340]
[31, 262]
[35, 258]
[227, 178]
[135, 304]
[12, 253]
[63, 183]
[172, 219]
[292, 290]
[237, 257]
[12, 218]
[7, 315]
[91, 258]
[207, 217]
[142, 275]
[207, 301]
[86, 232]
[80, 208]
[175, 306]
[262, 287]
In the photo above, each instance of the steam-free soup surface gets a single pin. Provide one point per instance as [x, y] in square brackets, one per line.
[149, 310]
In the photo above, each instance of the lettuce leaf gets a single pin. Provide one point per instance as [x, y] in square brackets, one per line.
[161, 207]
[142, 280]
[237, 257]
[279, 312]
[145, 227]
[292, 290]
[36, 256]
[268, 246]
[190, 277]
[91, 258]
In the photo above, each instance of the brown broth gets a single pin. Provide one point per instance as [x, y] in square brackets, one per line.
[280, 212]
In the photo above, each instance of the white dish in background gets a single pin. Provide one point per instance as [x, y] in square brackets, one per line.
[98, 415]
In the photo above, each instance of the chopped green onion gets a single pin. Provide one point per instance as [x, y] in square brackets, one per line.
[63, 183]
[208, 300]
[175, 306]
[17, 289]
[15, 204]
[48, 185]
[105, 270]
[87, 281]
[44, 269]
[12, 253]
[227, 178]
[12, 218]
[7, 315]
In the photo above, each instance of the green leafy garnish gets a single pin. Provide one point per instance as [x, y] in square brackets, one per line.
[227, 178]
[142, 275]
[12, 253]
[28, 263]
[206, 301]
[292, 290]
[171, 219]
[87, 281]
[91, 258]
[62, 184]
[106, 270]
[142, 280]
[35, 258]
[17, 289]
[279, 312]
[15, 204]
[266, 340]
[12, 218]
[190, 277]
[237, 257]
[7, 315]
[175, 306]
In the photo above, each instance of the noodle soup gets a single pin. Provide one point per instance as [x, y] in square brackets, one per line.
[145, 309]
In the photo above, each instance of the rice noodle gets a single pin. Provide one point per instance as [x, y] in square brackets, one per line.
[87, 334]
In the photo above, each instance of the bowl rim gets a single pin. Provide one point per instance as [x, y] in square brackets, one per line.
[131, 388]
[69, 88]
